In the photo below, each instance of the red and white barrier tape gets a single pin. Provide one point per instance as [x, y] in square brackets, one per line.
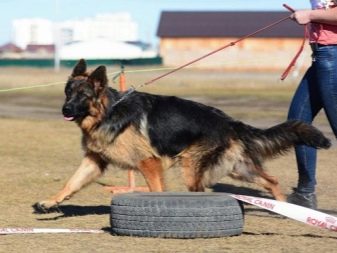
[295, 212]
[9, 231]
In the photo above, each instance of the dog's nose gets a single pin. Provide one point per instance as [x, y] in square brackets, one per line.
[67, 110]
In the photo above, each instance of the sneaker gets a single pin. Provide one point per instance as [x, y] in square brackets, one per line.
[303, 199]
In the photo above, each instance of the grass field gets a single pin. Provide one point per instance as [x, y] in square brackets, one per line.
[39, 151]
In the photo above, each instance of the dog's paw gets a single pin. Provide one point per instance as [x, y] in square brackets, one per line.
[45, 207]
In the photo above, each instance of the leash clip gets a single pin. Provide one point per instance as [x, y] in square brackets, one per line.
[125, 94]
[129, 91]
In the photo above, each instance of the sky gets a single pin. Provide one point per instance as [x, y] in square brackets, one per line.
[145, 12]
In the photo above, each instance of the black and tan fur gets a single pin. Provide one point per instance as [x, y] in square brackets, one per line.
[150, 133]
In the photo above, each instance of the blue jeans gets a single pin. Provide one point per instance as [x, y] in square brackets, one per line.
[316, 91]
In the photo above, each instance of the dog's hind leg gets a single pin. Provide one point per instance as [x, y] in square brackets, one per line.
[90, 169]
[254, 173]
[152, 170]
[271, 184]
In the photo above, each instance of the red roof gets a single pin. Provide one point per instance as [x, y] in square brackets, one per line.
[10, 47]
[36, 48]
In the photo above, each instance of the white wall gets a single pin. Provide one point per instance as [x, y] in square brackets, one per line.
[32, 31]
[113, 26]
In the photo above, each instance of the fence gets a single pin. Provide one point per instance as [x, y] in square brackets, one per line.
[48, 63]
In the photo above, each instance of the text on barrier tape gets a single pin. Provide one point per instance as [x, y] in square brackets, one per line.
[295, 212]
[8, 231]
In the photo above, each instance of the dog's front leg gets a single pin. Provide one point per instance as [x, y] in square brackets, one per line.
[92, 167]
[152, 171]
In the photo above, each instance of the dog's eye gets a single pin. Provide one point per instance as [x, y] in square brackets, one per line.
[83, 95]
[87, 93]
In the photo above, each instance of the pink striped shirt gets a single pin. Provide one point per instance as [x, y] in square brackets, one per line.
[323, 33]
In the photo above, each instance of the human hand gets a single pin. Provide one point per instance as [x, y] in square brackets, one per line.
[302, 17]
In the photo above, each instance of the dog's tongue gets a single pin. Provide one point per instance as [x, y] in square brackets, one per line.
[68, 118]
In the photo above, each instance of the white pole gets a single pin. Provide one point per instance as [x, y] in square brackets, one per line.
[57, 43]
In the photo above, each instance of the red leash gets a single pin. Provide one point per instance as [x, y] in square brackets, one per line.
[217, 50]
[284, 75]
[293, 62]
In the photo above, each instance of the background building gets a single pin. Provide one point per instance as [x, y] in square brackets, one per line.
[36, 31]
[116, 26]
[185, 36]
[105, 36]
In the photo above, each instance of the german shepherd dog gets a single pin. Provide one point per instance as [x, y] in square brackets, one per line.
[150, 133]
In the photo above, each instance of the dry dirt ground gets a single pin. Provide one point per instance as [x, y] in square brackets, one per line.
[39, 151]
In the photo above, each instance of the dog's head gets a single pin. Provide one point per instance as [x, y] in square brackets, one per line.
[83, 90]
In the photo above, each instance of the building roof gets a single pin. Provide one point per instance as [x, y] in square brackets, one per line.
[103, 49]
[226, 24]
[10, 47]
[32, 48]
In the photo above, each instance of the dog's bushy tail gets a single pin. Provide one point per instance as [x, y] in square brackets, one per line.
[280, 138]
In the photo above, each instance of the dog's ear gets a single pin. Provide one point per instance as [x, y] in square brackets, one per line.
[80, 68]
[99, 79]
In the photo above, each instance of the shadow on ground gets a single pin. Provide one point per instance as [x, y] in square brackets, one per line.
[240, 190]
[74, 210]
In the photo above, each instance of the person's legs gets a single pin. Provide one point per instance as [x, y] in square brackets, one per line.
[326, 72]
[305, 105]
[317, 90]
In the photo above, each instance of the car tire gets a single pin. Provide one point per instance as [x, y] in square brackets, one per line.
[176, 215]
